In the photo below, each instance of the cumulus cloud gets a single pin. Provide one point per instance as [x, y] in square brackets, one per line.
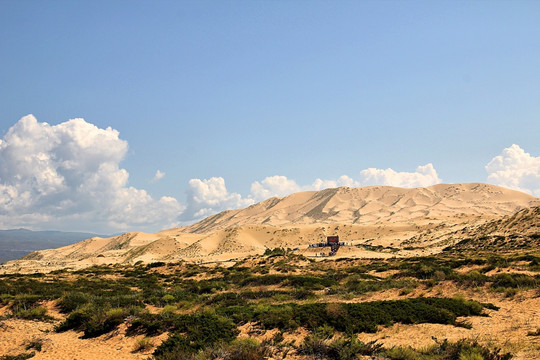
[68, 177]
[209, 196]
[282, 186]
[423, 176]
[69, 173]
[515, 169]
[273, 186]
[159, 175]
[343, 180]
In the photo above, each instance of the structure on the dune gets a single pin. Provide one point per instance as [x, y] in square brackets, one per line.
[332, 242]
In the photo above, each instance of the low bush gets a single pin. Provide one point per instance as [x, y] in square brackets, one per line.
[194, 333]
[468, 350]
[36, 344]
[354, 317]
[344, 348]
[306, 281]
[23, 302]
[243, 349]
[96, 321]
[143, 344]
[460, 350]
[515, 281]
[36, 313]
[227, 299]
[72, 301]
[358, 286]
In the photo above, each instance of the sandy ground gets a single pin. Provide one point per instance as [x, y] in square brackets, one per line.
[506, 328]
[16, 334]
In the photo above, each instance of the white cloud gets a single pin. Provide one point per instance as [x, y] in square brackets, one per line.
[273, 186]
[67, 176]
[515, 169]
[343, 180]
[159, 175]
[209, 196]
[423, 176]
[282, 186]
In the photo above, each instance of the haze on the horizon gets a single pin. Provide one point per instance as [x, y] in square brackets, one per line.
[146, 115]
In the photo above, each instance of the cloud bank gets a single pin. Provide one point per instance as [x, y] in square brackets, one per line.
[281, 186]
[515, 169]
[207, 197]
[68, 176]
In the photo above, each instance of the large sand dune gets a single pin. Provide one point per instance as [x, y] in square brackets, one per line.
[397, 221]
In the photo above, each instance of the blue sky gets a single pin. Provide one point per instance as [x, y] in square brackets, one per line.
[220, 96]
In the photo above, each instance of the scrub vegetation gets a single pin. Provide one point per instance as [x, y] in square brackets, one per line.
[202, 309]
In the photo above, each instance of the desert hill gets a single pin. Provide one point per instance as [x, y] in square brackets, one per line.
[372, 204]
[518, 231]
[378, 221]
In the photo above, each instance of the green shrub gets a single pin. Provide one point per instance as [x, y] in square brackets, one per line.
[350, 347]
[103, 322]
[472, 278]
[168, 298]
[143, 344]
[468, 350]
[246, 349]
[72, 301]
[401, 353]
[96, 321]
[514, 281]
[314, 345]
[177, 346]
[354, 317]
[36, 313]
[23, 302]
[77, 319]
[34, 344]
[320, 346]
[227, 299]
[196, 332]
[463, 324]
[152, 324]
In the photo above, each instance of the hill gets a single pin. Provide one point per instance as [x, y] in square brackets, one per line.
[378, 222]
[518, 231]
[372, 204]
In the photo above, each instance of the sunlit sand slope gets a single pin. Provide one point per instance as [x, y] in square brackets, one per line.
[378, 221]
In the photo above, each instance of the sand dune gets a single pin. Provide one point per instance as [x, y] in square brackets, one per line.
[367, 205]
[400, 222]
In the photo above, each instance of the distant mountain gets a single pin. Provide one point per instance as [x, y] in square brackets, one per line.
[18, 242]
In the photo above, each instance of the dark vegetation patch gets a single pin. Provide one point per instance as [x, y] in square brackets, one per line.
[22, 356]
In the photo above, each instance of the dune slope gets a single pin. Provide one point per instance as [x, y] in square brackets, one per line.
[396, 221]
